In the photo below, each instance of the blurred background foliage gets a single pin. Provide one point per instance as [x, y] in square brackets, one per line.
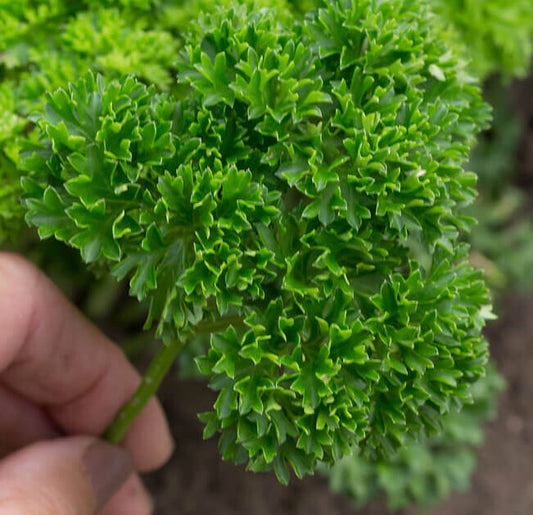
[46, 44]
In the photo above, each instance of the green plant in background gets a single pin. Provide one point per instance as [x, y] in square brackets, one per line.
[501, 208]
[497, 36]
[301, 206]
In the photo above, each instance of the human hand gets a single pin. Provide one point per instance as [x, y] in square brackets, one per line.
[59, 377]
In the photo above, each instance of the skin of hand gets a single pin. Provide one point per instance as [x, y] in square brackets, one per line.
[61, 384]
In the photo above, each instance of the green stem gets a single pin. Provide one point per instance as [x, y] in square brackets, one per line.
[219, 325]
[157, 370]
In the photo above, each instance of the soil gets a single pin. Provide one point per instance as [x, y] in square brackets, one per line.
[198, 482]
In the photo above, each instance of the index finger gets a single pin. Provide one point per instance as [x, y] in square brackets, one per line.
[53, 356]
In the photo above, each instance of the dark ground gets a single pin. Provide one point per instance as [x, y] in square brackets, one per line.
[197, 482]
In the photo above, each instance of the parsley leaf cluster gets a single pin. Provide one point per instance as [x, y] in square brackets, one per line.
[299, 198]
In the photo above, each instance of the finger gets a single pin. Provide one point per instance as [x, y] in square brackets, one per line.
[53, 356]
[60, 477]
[131, 499]
[22, 422]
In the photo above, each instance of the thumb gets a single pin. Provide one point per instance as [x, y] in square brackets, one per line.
[62, 477]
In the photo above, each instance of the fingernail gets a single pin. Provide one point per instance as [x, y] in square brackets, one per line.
[108, 467]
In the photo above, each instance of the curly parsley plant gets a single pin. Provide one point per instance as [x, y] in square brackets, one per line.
[423, 472]
[300, 203]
